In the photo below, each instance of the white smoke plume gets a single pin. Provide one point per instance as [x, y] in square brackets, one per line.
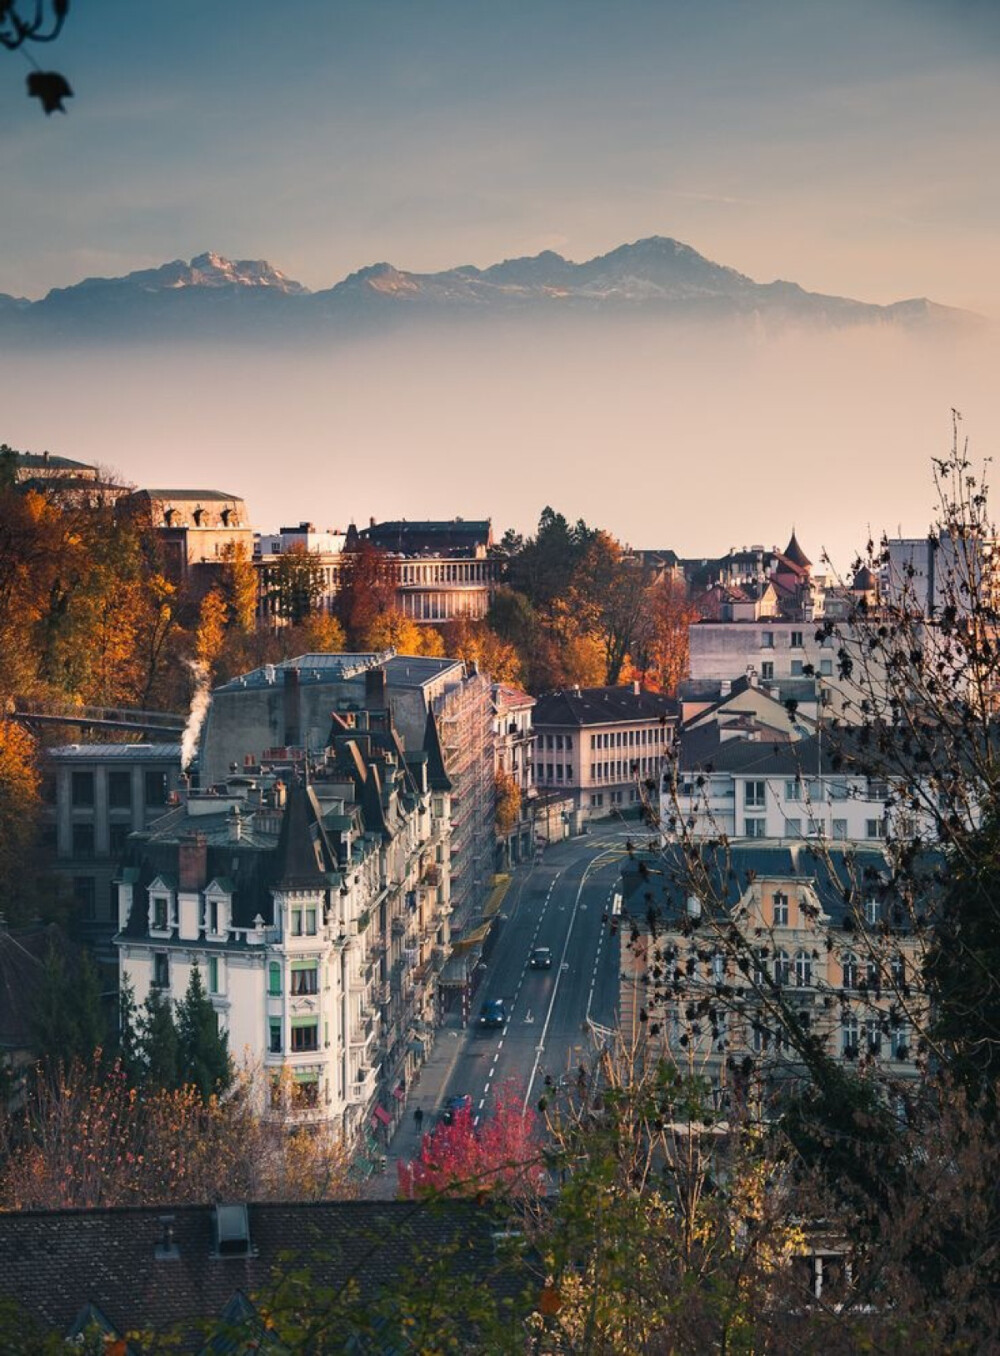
[201, 700]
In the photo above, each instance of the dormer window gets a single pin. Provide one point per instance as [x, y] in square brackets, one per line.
[161, 920]
[198, 516]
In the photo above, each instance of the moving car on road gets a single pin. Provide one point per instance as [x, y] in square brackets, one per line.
[460, 1102]
[492, 1015]
[541, 958]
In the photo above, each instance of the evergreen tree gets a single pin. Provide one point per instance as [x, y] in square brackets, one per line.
[158, 1042]
[128, 1037]
[67, 1021]
[203, 1049]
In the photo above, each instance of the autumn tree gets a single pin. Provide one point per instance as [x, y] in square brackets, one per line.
[211, 635]
[367, 591]
[295, 584]
[507, 804]
[661, 659]
[477, 642]
[498, 1155]
[20, 807]
[239, 586]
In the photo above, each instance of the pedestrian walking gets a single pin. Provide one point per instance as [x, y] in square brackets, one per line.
[418, 1119]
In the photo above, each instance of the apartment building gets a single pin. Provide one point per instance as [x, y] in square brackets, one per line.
[96, 795]
[441, 706]
[821, 935]
[600, 746]
[313, 895]
[513, 745]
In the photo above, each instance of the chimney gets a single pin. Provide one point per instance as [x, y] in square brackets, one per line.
[636, 686]
[291, 697]
[234, 823]
[375, 689]
[192, 861]
[725, 687]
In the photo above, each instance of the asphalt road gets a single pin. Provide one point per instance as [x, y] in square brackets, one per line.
[560, 902]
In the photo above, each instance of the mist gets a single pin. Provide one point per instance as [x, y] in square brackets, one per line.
[696, 439]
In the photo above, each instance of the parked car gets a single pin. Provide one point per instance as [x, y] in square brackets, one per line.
[460, 1102]
[541, 958]
[492, 1015]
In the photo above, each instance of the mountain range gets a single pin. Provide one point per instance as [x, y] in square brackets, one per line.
[657, 277]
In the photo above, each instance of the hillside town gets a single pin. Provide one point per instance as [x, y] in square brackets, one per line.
[418, 850]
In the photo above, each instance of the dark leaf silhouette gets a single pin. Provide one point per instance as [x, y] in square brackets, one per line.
[51, 88]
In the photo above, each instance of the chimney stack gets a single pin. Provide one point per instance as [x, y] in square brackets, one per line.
[192, 861]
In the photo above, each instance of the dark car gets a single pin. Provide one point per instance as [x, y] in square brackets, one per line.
[461, 1102]
[492, 1015]
[541, 958]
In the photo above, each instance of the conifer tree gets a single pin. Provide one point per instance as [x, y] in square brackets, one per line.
[159, 1042]
[203, 1050]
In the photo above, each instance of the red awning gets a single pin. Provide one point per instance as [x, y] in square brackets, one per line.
[383, 1115]
[399, 1091]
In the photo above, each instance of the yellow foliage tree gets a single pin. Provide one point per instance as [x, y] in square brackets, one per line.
[211, 635]
[508, 802]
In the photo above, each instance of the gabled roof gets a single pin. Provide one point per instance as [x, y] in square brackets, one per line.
[54, 1263]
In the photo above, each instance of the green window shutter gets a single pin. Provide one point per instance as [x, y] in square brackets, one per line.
[306, 1075]
[305, 964]
[274, 978]
[305, 1021]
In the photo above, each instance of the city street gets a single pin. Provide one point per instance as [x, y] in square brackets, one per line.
[559, 903]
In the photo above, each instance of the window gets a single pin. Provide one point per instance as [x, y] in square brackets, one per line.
[782, 967]
[305, 980]
[119, 790]
[874, 828]
[803, 969]
[753, 794]
[82, 789]
[161, 970]
[569, 743]
[767, 640]
[83, 840]
[296, 922]
[877, 789]
[839, 830]
[84, 897]
[213, 974]
[796, 668]
[597, 799]
[793, 790]
[305, 1089]
[814, 828]
[156, 788]
[849, 970]
[753, 828]
[793, 828]
[871, 1036]
[899, 1039]
[826, 668]
[117, 838]
[897, 970]
[795, 640]
[310, 922]
[274, 1031]
[767, 669]
[305, 1034]
[559, 742]
[779, 910]
[161, 913]
[837, 788]
[759, 966]
[718, 967]
[274, 978]
[849, 1036]
[871, 912]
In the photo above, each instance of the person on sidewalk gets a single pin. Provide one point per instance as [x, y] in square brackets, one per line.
[418, 1119]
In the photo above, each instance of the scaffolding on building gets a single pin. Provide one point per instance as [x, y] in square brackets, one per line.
[464, 714]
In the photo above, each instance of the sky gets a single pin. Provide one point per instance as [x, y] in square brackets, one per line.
[851, 147]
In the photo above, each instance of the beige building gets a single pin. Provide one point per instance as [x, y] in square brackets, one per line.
[820, 935]
[194, 527]
[599, 746]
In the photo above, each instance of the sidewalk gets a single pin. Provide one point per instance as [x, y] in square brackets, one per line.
[428, 1093]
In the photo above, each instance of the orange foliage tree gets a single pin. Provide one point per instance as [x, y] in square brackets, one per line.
[87, 1139]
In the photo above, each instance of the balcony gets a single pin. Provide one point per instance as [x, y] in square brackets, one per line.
[363, 1034]
[362, 1090]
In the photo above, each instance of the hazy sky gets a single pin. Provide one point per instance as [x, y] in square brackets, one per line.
[850, 145]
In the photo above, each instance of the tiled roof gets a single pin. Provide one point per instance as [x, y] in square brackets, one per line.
[601, 706]
[843, 877]
[184, 495]
[54, 1263]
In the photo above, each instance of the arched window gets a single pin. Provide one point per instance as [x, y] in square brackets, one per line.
[803, 969]
[849, 969]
